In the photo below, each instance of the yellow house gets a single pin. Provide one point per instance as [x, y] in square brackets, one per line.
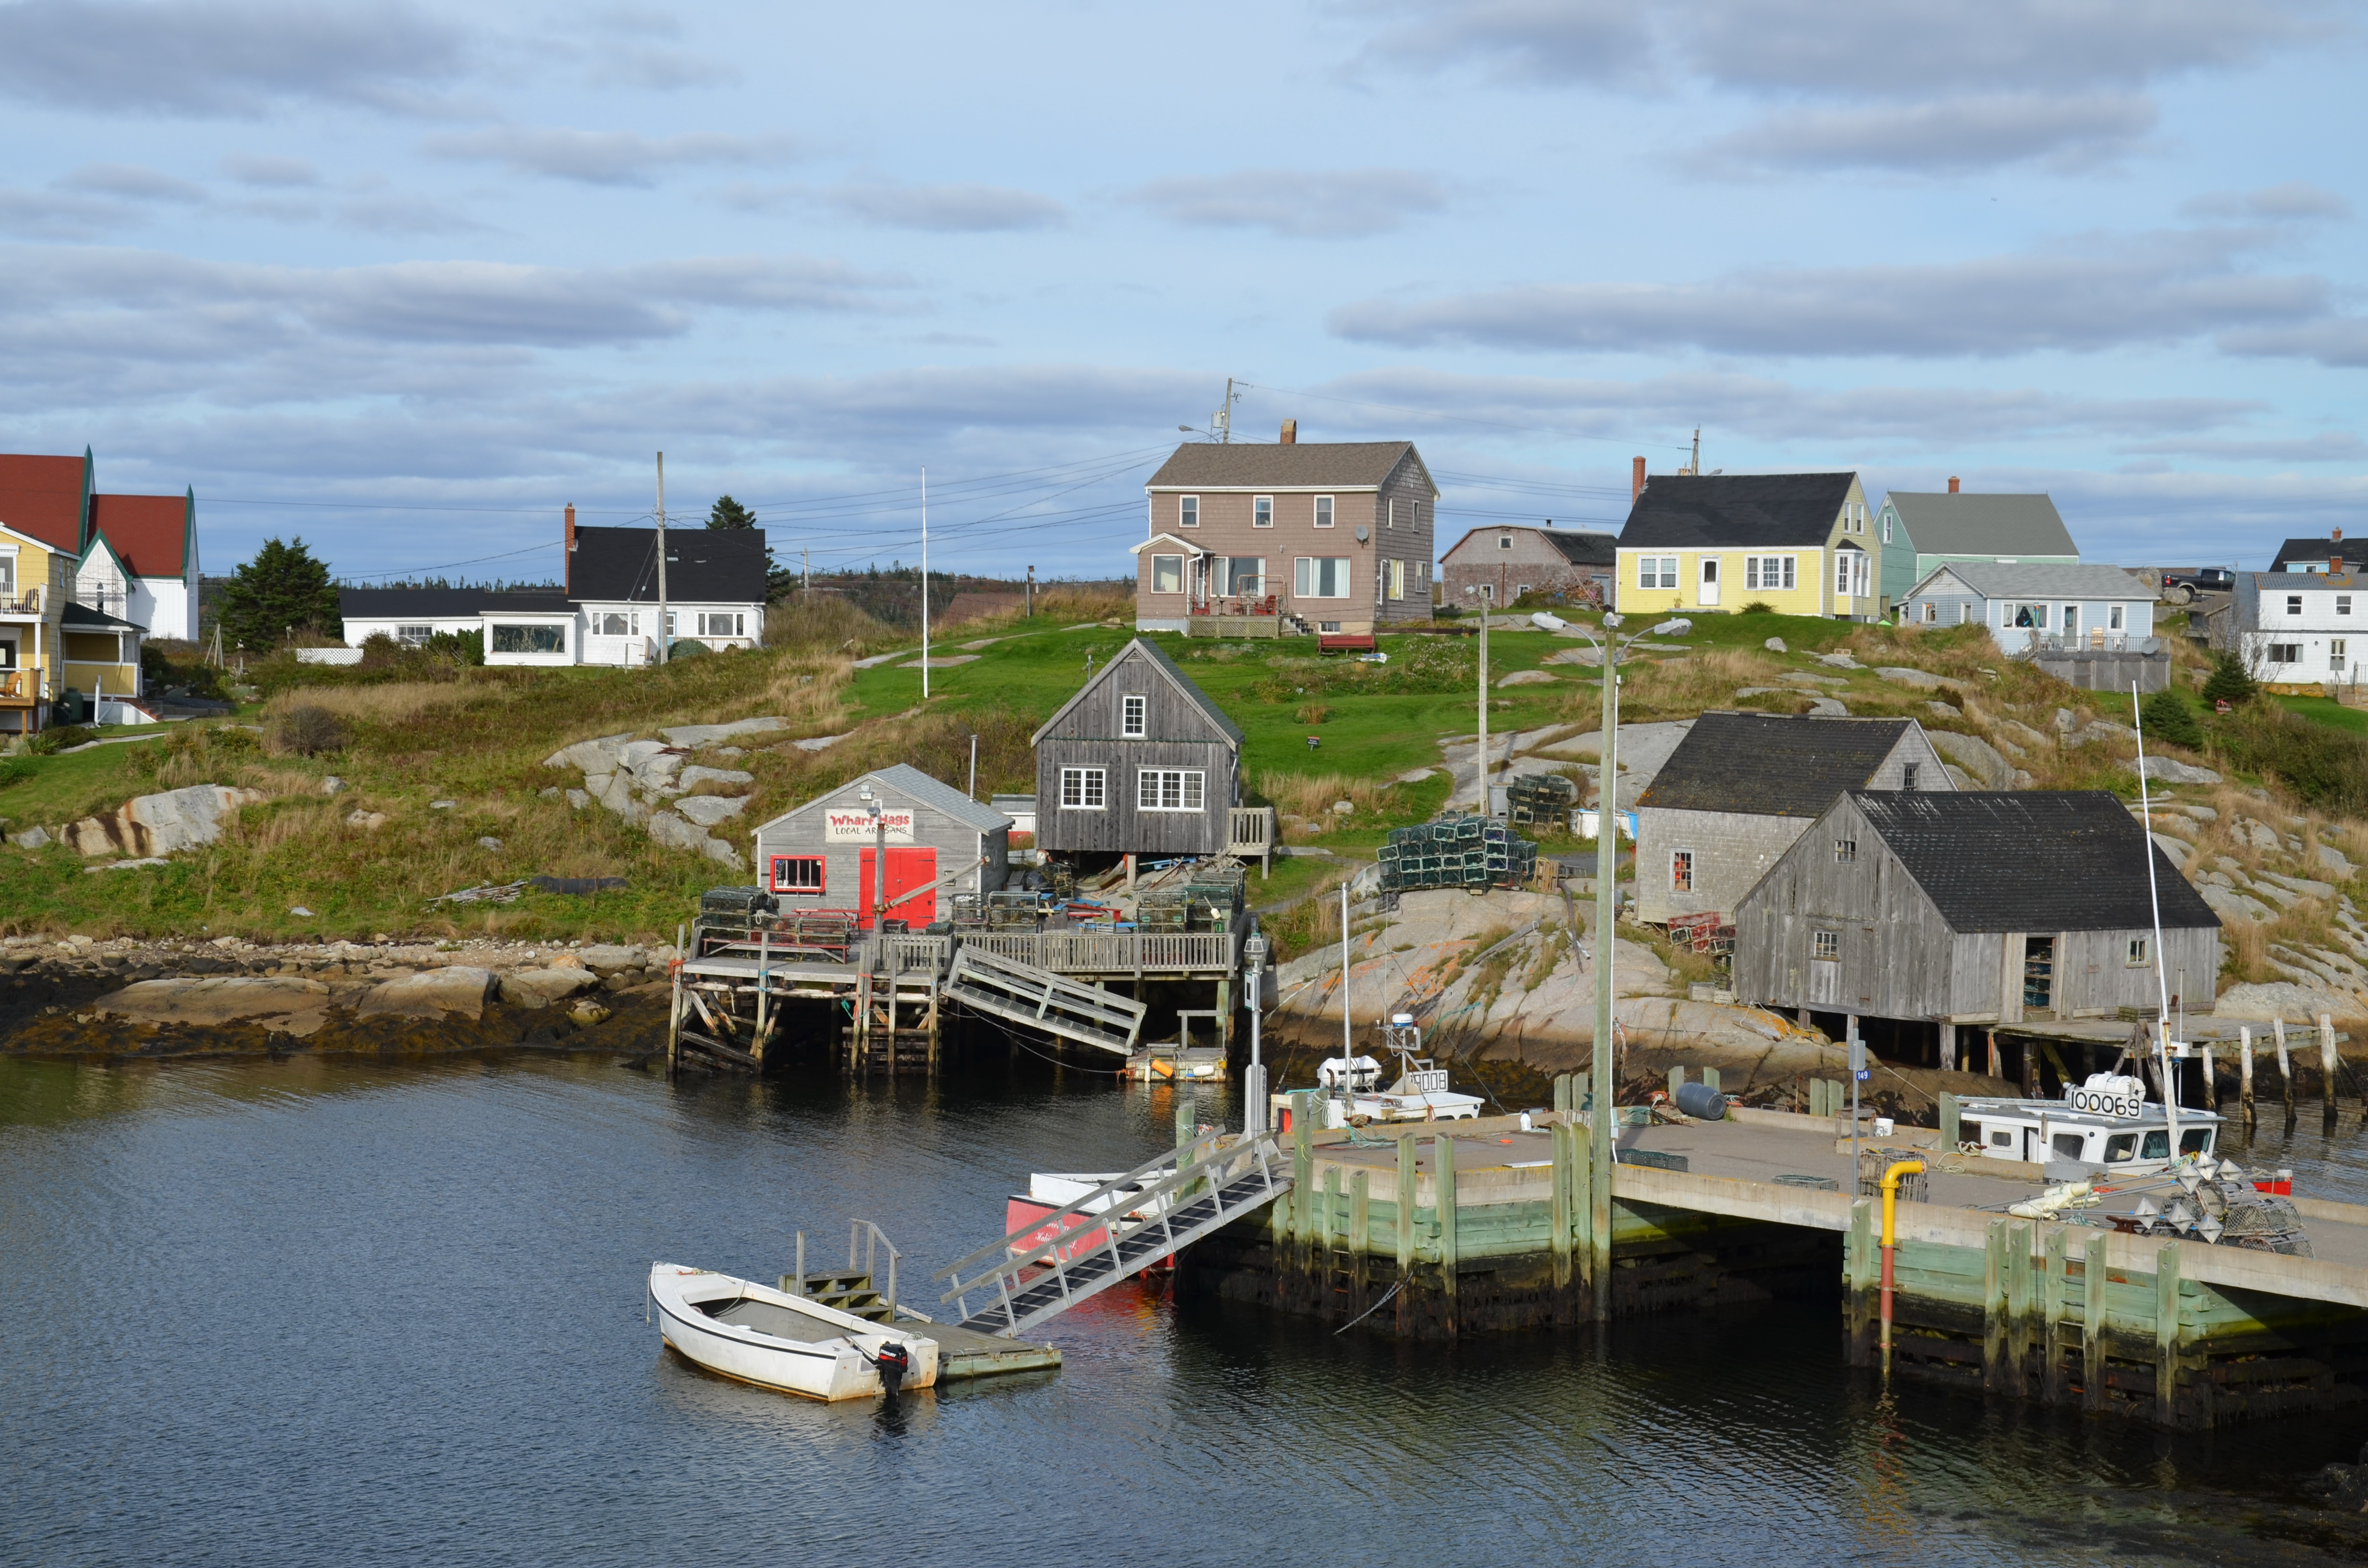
[1798, 543]
[36, 586]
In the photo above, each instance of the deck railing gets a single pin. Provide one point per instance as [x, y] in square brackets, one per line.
[26, 603]
[1112, 952]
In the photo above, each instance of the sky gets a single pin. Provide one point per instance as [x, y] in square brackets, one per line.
[405, 278]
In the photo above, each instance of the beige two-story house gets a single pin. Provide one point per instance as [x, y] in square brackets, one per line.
[1333, 535]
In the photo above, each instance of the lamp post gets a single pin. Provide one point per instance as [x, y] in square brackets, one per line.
[879, 857]
[1255, 949]
[1603, 1125]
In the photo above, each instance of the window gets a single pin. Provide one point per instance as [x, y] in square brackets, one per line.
[402, 634]
[1861, 568]
[1169, 789]
[1886, 524]
[1907, 775]
[2286, 652]
[1520, 588]
[1397, 578]
[1081, 789]
[1325, 514]
[2002, 1138]
[2335, 646]
[1242, 575]
[1166, 573]
[1134, 713]
[2071, 620]
[1262, 513]
[1965, 612]
[1827, 948]
[1768, 572]
[797, 873]
[2033, 616]
[618, 623]
[2136, 957]
[512, 638]
[1656, 570]
[2293, 604]
[2071, 1145]
[722, 623]
[2121, 1146]
[1845, 849]
[1322, 577]
[1504, 542]
[1681, 871]
[2343, 604]
[1327, 627]
[2113, 618]
[1411, 515]
[1931, 612]
[1842, 573]
[1187, 511]
[2156, 1146]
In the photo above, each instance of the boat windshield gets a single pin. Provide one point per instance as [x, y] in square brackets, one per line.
[2158, 1146]
[2195, 1141]
[2120, 1147]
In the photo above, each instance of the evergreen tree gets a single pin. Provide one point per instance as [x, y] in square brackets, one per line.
[2168, 718]
[2229, 681]
[283, 589]
[729, 514]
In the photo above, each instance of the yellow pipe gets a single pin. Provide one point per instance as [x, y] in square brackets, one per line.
[1891, 1196]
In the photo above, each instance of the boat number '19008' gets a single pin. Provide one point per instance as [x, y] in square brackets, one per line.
[2104, 1103]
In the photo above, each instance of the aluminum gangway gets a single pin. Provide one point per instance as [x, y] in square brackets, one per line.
[1020, 993]
[1161, 1206]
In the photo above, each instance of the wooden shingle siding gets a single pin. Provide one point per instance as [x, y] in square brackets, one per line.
[1178, 732]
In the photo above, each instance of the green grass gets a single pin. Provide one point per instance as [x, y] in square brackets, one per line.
[2328, 712]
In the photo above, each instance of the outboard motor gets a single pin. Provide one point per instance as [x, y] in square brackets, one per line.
[894, 1362]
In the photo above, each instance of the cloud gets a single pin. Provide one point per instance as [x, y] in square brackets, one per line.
[946, 209]
[1967, 86]
[50, 215]
[1298, 204]
[238, 311]
[261, 169]
[220, 57]
[130, 182]
[1946, 135]
[604, 157]
[2340, 342]
[2156, 289]
[2325, 447]
[663, 70]
[2290, 203]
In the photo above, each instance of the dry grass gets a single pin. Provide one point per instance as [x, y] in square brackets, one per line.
[395, 702]
[810, 692]
[808, 622]
[1310, 713]
[1681, 687]
[1315, 794]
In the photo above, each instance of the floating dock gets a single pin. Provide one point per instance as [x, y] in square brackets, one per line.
[1423, 1234]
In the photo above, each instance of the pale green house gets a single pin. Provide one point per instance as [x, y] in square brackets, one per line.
[1922, 530]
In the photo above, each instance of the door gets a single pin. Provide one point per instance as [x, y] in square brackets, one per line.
[912, 887]
[2038, 977]
[1709, 581]
[1824, 969]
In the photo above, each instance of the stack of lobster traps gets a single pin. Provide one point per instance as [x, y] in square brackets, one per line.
[1456, 851]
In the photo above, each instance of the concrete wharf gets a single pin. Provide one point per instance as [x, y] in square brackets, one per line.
[1422, 1234]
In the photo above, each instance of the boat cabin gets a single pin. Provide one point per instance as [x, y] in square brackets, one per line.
[2107, 1123]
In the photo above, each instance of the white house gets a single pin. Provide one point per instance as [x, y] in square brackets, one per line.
[2301, 627]
[2037, 608]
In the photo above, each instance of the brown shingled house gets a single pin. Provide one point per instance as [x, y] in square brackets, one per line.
[1499, 565]
[1260, 541]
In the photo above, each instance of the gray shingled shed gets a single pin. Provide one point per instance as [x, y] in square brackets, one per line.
[939, 842]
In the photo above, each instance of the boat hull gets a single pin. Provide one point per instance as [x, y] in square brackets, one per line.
[830, 1357]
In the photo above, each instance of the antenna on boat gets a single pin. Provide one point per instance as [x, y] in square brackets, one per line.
[2153, 896]
[1348, 1039]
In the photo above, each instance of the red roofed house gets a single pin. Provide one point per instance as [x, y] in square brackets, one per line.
[136, 556]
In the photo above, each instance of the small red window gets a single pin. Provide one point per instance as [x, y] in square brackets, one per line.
[797, 873]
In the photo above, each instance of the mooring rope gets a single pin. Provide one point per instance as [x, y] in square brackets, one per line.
[1368, 1311]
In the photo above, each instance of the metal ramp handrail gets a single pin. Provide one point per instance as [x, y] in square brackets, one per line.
[1240, 1174]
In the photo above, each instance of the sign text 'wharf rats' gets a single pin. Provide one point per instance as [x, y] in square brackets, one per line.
[861, 827]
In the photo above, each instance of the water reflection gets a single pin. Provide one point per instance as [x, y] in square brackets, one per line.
[287, 1311]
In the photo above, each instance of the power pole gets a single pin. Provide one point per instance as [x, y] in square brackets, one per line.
[666, 628]
[807, 556]
[1696, 469]
[1603, 1122]
[1030, 600]
[1224, 418]
[924, 582]
[1483, 756]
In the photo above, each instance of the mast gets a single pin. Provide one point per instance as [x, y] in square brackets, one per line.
[2154, 895]
[1348, 1039]
[924, 582]
[666, 628]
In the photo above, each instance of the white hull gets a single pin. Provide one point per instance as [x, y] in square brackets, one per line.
[778, 1341]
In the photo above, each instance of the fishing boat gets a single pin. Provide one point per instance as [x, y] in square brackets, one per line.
[754, 1334]
[1352, 1094]
[2106, 1122]
[1050, 1191]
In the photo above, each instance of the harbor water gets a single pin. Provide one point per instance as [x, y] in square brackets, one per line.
[308, 1311]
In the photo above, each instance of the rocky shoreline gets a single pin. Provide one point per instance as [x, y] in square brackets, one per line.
[81, 997]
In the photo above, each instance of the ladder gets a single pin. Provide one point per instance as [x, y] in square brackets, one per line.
[1021, 992]
[1151, 1213]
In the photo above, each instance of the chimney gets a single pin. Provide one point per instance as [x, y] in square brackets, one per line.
[1952, 484]
[2335, 566]
[1291, 432]
[2336, 537]
[1636, 480]
[570, 536]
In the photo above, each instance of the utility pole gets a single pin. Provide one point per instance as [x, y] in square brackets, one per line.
[1696, 469]
[666, 627]
[1603, 1122]
[1224, 418]
[973, 767]
[806, 555]
[1030, 600]
[1482, 758]
[924, 582]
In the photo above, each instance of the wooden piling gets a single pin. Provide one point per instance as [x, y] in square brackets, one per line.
[1994, 1308]
[1407, 1173]
[2054, 1285]
[1361, 1231]
[1948, 1048]
[674, 1008]
[2092, 1324]
[2326, 1068]
[2019, 1305]
[2165, 1335]
[2285, 1067]
[1558, 1220]
[1442, 1154]
[1996, 1067]
[2245, 1076]
[2211, 1080]
[1582, 1209]
[1952, 1125]
[1859, 1262]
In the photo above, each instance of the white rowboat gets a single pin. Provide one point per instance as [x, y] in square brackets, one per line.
[754, 1334]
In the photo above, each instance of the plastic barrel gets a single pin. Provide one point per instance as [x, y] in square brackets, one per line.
[1701, 1101]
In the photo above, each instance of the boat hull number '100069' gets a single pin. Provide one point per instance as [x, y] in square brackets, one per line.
[2105, 1095]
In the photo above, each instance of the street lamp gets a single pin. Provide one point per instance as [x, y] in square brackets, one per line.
[1255, 949]
[1603, 1125]
[878, 857]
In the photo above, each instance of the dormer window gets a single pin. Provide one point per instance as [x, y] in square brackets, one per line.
[1135, 714]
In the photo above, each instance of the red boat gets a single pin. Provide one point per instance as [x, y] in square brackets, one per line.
[1048, 1193]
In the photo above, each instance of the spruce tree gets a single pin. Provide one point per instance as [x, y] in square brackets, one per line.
[729, 514]
[2229, 681]
[2168, 718]
[283, 589]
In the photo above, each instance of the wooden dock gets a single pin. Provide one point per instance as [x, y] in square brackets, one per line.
[1424, 1234]
[963, 1353]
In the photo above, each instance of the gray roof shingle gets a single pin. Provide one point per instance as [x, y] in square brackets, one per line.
[906, 779]
[1241, 465]
[1769, 765]
[1942, 524]
[1996, 580]
[2035, 860]
[1736, 510]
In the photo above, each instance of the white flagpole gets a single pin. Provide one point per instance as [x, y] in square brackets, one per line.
[924, 582]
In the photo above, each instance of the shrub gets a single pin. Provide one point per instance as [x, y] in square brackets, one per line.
[15, 770]
[308, 730]
[2328, 767]
[1447, 612]
[1758, 606]
[2168, 718]
[1311, 713]
[2229, 681]
[57, 738]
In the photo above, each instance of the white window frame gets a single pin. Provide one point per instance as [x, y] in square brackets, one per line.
[821, 864]
[1326, 512]
[1844, 851]
[1770, 573]
[1504, 542]
[1187, 511]
[2136, 956]
[1178, 790]
[1842, 573]
[1134, 716]
[722, 623]
[414, 634]
[2113, 618]
[1305, 576]
[1174, 563]
[2293, 604]
[2343, 604]
[1886, 524]
[1261, 511]
[2284, 652]
[1681, 871]
[1397, 570]
[1085, 790]
[2335, 657]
